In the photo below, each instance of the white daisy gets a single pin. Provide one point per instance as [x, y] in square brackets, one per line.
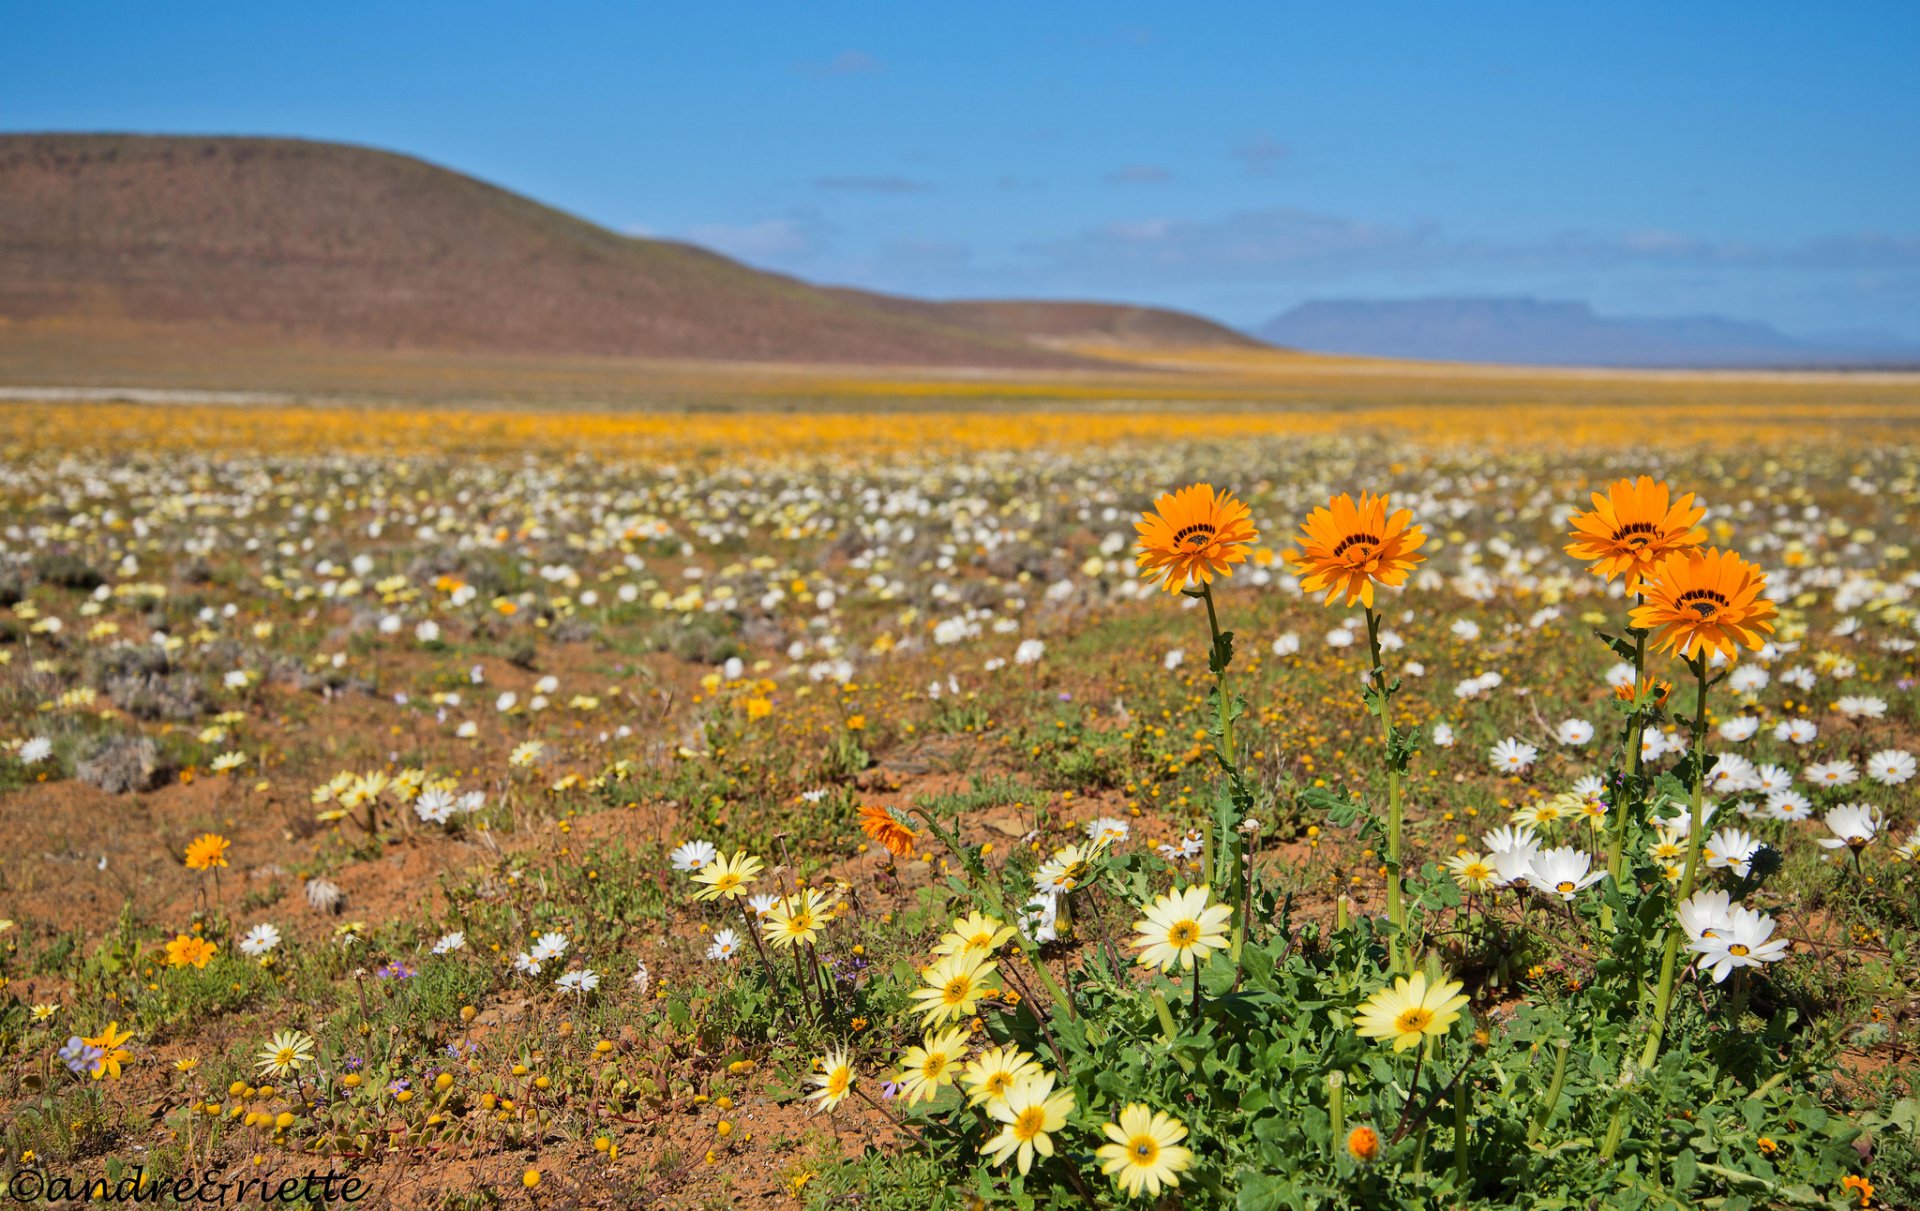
[1788, 805]
[1840, 772]
[434, 806]
[1511, 756]
[1573, 732]
[1704, 912]
[579, 982]
[1562, 872]
[1795, 731]
[1739, 728]
[1854, 826]
[1731, 849]
[1745, 939]
[693, 855]
[1890, 767]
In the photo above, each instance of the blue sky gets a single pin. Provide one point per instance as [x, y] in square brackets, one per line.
[1753, 159]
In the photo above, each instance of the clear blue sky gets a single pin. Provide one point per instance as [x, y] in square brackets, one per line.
[1754, 159]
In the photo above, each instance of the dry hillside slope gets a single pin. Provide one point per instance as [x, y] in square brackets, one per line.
[328, 245]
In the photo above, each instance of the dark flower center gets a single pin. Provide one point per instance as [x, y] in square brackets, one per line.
[1704, 602]
[1355, 540]
[1199, 534]
[1636, 533]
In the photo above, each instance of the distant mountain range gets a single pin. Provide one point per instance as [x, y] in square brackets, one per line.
[212, 241]
[1526, 331]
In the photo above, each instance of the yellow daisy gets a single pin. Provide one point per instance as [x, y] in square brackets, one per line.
[727, 877]
[1180, 926]
[954, 986]
[927, 1069]
[1410, 1010]
[1145, 1153]
[1029, 1112]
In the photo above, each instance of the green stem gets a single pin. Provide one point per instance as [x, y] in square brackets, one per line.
[1663, 995]
[1396, 909]
[1545, 1113]
[1337, 1108]
[1461, 1091]
[1617, 821]
[1165, 1014]
[1670, 950]
[1235, 840]
[1226, 715]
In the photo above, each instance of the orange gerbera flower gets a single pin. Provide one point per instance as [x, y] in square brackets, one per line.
[1712, 599]
[1192, 534]
[1347, 547]
[1648, 684]
[1633, 527]
[207, 851]
[880, 824]
[188, 951]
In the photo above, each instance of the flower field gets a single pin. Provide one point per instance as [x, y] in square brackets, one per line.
[1369, 805]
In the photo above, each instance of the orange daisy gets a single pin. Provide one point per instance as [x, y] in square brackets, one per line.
[1193, 534]
[1712, 599]
[1348, 546]
[188, 951]
[1633, 527]
[886, 830]
[207, 851]
[1648, 684]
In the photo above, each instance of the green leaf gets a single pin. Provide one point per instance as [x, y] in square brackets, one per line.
[1619, 644]
[1221, 654]
[1686, 1169]
[1261, 1192]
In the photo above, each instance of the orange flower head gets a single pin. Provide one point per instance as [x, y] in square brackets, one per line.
[886, 830]
[1363, 1143]
[1634, 526]
[1695, 600]
[1661, 690]
[112, 1043]
[1192, 535]
[1859, 1186]
[188, 951]
[207, 851]
[1348, 547]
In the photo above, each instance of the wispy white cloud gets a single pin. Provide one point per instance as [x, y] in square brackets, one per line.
[1261, 155]
[1281, 241]
[788, 241]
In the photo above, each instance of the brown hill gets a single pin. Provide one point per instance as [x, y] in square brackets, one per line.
[329, 245]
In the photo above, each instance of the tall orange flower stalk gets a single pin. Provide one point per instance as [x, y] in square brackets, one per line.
[1346, 548]
[1632, 527]
[1694, 603]
[1186, 539]
[207, 854]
